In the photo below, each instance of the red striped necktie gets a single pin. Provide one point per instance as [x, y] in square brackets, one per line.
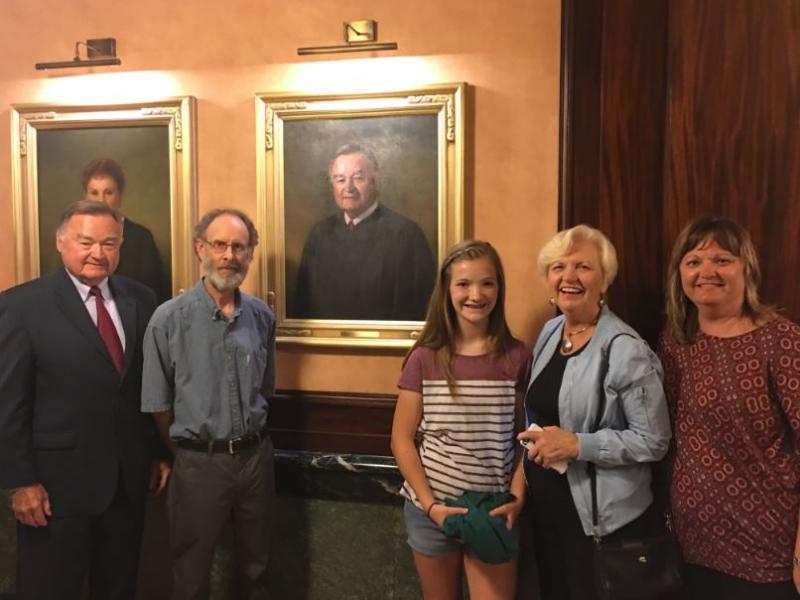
[106, 329]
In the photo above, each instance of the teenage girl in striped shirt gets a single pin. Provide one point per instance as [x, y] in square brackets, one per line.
[461, 398]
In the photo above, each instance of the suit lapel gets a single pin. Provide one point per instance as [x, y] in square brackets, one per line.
[73, 307]
[126, 306]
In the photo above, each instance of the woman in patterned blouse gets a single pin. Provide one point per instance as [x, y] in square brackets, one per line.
[732, 377]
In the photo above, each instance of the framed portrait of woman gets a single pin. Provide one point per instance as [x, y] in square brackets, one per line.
[151, 147]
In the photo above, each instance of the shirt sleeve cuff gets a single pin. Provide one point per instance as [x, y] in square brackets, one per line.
[154, 407]
[588, 447]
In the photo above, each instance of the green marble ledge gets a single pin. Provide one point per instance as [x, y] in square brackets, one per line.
[340, 532]
[339, 535]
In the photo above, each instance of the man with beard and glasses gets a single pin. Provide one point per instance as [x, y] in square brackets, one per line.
[209, 372]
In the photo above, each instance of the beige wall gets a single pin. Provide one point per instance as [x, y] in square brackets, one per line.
[224, 52]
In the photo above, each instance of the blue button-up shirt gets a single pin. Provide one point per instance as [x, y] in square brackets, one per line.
[217, 374]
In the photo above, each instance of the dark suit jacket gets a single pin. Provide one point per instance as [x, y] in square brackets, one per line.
[68, 419]
[139, 259]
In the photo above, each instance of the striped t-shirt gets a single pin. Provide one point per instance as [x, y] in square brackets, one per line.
[467, 438]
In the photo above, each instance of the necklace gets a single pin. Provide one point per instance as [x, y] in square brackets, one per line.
[566, 343]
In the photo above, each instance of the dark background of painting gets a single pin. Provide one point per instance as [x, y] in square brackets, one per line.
[406, 148]
[142, 152]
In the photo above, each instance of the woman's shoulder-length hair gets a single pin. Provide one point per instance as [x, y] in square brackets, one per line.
[681, 312]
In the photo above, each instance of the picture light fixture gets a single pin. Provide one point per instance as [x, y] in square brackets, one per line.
[359, 36]
[101, 52]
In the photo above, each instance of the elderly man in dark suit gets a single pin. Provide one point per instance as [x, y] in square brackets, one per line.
[75, 450]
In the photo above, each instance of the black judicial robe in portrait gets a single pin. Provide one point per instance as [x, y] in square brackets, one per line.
[139, 259]
[381, 270]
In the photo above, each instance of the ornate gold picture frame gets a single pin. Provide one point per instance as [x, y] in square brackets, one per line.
[153, 142]
[393, 162]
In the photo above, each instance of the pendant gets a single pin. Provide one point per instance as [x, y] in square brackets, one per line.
[566, 345]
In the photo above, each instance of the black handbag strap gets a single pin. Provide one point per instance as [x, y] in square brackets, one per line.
[600, 408]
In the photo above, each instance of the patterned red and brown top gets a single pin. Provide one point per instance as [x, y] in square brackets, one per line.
[735, 408]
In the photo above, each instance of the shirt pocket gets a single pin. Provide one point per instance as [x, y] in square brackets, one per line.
[258, 365]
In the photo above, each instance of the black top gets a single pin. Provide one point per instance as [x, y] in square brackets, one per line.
[542, 397]
[139, 259]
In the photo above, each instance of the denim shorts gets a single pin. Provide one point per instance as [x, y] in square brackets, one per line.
[425, 536]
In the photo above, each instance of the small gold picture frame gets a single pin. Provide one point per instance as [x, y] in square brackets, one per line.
[153, 142]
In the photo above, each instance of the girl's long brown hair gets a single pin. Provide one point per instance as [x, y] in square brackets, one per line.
[441, 324]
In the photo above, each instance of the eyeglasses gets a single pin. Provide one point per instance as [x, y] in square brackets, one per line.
[219, 247]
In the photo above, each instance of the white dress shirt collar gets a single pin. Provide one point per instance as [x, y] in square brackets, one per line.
[108, 298]
[362, 216]
[83, 289]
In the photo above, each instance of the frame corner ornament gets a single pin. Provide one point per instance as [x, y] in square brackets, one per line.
[444, 99]
[171, 111]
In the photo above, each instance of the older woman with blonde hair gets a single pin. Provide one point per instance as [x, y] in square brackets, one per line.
[732, 377]
[596, 400]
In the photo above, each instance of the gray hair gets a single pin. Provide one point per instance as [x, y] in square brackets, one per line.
[202, 225]
[85, 207]
[354, 148]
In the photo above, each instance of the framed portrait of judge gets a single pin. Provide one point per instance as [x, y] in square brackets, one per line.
[359, 197]
[143, 154]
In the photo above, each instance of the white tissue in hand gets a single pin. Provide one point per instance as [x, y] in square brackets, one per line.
[559, 466]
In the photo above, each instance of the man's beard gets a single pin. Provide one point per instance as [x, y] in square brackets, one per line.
[224, 283]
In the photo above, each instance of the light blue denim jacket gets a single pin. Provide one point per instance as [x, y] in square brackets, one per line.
[634, 429]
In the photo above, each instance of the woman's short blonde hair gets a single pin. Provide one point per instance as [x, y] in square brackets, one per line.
[564, 241]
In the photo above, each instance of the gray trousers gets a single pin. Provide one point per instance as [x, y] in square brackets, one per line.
[205, 492]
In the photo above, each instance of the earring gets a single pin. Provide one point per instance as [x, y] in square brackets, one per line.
[602, 301]
[551, 301]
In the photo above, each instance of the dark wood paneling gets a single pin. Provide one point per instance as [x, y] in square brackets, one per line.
[332, 422]
[676, 108]
[733, 143]
[615, 96]
[581, 118]
[634, 98]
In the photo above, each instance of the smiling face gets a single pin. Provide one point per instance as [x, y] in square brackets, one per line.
[225, 269]
[103, 189]
[353, 183]
[713, 279]
[473, 291]
[577, 283]
[89, 246]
